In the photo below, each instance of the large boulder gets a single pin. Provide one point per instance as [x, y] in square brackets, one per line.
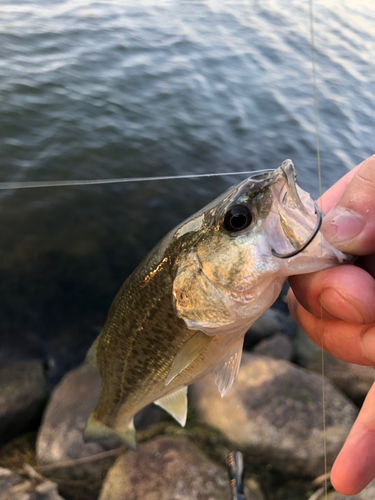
[15, 487]
[60, 435]
[278, 346]
[274, 414]
[270, 323]
[304, 349]
[353, 380]
[167, 468]
[23, 394]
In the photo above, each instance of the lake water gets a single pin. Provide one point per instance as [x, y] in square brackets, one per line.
[113, 89]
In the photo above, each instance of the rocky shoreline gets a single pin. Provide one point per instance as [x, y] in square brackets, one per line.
[273, 414]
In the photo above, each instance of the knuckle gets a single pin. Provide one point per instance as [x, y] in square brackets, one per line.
[367, 178]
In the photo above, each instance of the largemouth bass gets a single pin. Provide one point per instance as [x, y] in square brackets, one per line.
[186, 308]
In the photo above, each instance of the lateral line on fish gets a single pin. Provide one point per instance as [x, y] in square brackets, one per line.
[313, 66]
[121, 180]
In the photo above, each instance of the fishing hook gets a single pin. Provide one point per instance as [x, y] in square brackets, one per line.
[314, 233]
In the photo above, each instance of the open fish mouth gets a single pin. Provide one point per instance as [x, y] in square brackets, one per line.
[292, 201]
[288, 170]
[294, 222]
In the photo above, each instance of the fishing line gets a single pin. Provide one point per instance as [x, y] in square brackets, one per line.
[51, 184]
[321, 240]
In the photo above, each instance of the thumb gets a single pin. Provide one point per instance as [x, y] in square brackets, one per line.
[350, 225]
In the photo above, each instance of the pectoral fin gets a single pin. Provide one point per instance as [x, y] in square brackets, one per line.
[186, 355]
[175, 404]
[96, 431]
[226, 372]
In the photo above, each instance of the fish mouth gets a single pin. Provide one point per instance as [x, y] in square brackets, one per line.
[288, 194]
[287, 168]
[293, 213]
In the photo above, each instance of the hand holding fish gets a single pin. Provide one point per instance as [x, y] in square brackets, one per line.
[345, 297]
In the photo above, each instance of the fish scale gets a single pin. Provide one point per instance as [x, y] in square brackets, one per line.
[142, 310]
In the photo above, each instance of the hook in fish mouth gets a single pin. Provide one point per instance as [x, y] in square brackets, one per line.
[308, 241]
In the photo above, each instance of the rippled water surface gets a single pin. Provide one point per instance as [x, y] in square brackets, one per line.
[113, 89]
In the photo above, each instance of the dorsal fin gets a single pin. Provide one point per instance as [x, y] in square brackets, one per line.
[226, 372]
[175, 404]
[186, 355]
[96, 431]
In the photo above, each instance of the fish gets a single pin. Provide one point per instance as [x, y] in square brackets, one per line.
[184, 311]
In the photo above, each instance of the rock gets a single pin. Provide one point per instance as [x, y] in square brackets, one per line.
[15, 487]
[23, 393]
[274, 414]
[166, 468]
[367, 494]
[8, 479]
[270, 323]
[60, 435]
[278, 347]
[304, 349]
[353, 380]
[252, 489]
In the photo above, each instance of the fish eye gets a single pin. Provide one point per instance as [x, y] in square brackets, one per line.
[237, 218]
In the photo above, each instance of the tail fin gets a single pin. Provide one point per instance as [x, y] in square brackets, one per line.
[96, 431]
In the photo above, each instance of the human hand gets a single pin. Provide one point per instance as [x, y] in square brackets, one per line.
[345, 298]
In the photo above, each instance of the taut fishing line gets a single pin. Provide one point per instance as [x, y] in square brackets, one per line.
[122, 180]
[321, 245]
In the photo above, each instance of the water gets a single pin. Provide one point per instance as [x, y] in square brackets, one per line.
[113, 89]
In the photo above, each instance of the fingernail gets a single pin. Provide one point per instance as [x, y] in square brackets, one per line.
[368, 344]
[332, 302]
[342, 225]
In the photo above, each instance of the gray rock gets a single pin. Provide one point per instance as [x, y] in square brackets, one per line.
[60, 435]
[8, 479]
[367, 494]
[15, 487]
[278, 347]
[274, 413]
[304, 349]
[166, 468]
[23, 393]
[271, 322]
[353, 380]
